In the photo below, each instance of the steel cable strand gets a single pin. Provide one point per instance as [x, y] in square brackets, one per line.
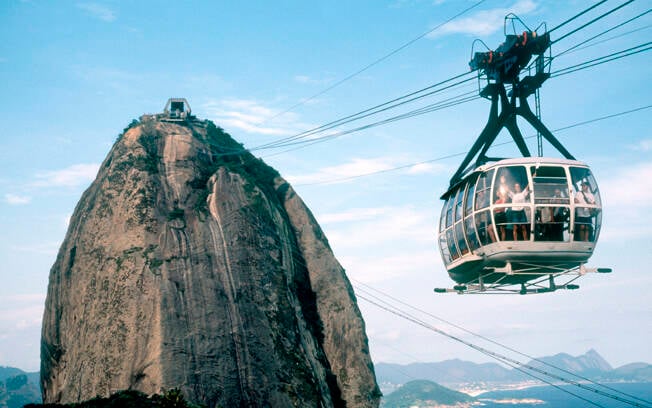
[499, 344]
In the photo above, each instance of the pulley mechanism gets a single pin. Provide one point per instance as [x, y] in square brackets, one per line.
[499, 73]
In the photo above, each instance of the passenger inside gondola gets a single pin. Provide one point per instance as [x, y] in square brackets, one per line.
[500, 214]
[584, 215]
[518, 218]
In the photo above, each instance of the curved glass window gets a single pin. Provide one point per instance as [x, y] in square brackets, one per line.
[512, 186]
[458, 204]
[483, 225]
[471, 236]
[483, 190]
[461, 241]
[586, 197]
[551, 223]
[550, 185]
[551, 214]
[451, 244]
[587, 224]
[581, 176]
[510, 179]
[468, 198]
[445, 253]
[442, 218]
[449, 210]
[500, 217]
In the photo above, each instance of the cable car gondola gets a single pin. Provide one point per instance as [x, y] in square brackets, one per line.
[514, 225]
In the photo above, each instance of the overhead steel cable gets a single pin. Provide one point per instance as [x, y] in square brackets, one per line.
[604, 59]
[357, 115]
[578, 15]
[379, 60]
[523, 368]
[437, 106]
[452, 101]
[515, 364]
[404, 315]
[420, 111]
[612, 38]
[587, 64]
[497, 343]
[592, 21]
[603, 33]
[526, 368]
[441, 158]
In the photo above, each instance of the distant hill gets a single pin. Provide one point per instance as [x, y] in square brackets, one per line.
[423, 393]
[449, 371]
[590, 365]
[19, 389]
[6, 372]
[632, 372]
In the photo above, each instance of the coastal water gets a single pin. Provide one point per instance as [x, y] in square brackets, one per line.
[561, 397]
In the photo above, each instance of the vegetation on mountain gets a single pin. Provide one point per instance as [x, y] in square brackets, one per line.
[129, 399]
[423, 393]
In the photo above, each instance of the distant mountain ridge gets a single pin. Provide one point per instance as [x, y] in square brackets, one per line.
[591, 365]
[18, 387]
[7, 372]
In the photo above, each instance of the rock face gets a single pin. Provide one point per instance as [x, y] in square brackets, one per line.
[188, 263]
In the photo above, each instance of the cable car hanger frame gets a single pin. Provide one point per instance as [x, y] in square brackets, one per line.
[529, 265]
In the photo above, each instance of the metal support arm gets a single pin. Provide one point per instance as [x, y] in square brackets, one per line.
[506, 119]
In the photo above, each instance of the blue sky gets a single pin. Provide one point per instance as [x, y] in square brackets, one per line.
[74, 74]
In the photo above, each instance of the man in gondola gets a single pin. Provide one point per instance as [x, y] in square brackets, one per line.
[583, 216]
[519, 219]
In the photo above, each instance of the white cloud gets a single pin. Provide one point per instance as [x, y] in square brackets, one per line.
[306, 79]
[484, 22]
[14, 199]
[253, 117]
[428, 168]
[360, 167]
[376, 244]
[339, 173]
[24, 297]
[303, 79]
[356, 214]
[642, 146]
[98, 11]
[628, 188]
[374, 269]
[106, 78]
[48, 248]
[389, 225]
[21, 311]
[73, 176]
[627, 203]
